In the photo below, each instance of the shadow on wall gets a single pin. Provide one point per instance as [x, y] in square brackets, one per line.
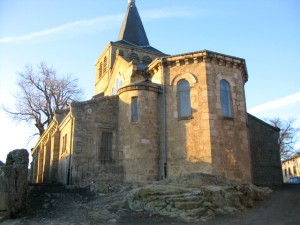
[188, 129]
[194, 144]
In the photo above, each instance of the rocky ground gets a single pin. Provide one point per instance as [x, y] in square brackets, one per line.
[195, 200]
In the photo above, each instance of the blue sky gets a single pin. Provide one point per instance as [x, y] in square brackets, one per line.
[70, 36]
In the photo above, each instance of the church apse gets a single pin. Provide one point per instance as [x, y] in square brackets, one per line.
[153, 116]
[187, 122]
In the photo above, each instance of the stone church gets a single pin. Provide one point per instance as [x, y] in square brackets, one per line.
[157, 116]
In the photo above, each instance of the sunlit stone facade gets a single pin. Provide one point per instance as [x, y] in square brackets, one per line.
[153, 116]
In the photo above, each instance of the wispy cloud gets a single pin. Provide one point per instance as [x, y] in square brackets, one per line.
[74, 28]
[96, 24]
[278, 103]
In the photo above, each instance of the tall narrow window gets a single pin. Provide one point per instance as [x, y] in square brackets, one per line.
[116, 87]
[64, 143]
[226, 102]
[105, 155]
[120, 83]
[134, 109]
[100, 70]
[117, 83]
[184, 99]
[105, 64]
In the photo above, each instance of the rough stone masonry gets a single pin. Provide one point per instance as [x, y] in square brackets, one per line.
[13, 183]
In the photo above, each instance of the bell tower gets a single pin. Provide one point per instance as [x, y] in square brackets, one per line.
[132, 45]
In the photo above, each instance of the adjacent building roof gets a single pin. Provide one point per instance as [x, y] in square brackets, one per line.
[296, 155]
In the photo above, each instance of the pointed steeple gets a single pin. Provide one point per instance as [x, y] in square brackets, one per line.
[132, 30]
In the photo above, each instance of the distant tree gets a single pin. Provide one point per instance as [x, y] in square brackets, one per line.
[40, 93]
[288, 136]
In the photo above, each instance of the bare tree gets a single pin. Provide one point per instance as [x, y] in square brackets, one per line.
[288, 136]
[41, 92]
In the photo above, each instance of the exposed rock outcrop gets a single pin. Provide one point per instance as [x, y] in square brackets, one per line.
[192, 200]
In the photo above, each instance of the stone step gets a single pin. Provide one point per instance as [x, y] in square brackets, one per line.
[188, 205]
[56, 188]
[187, 197]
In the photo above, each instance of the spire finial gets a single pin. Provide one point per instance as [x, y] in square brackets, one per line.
[131, 2]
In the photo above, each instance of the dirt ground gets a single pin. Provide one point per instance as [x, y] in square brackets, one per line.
[55, 205]
[282, 208]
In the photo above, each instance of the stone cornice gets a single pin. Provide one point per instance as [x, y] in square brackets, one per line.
[95, 99]
[135, 48]
[66, 120]
[145, 85]
[45, 136]
[199, 57]
[263, 123]
[104, 52]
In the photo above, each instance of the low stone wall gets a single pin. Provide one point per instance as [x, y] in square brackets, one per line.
[3, 190]
[13, 183]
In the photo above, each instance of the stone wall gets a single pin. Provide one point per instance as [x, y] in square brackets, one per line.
[111, 52]
[229, 136]
[4, 189]
[92, 118]
[188, 139]
[206, 141]
[138, 140]
[13, 182]
[45, 154]
[266, 165]
[65, 139]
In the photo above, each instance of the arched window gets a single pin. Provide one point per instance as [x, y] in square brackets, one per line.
[184, 99]
[147, 59]
[226, 102]
[134, 109]
[134, 57]
[120, 52]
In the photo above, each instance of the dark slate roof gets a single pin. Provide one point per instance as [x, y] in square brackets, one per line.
[132, 30]
[149, 48]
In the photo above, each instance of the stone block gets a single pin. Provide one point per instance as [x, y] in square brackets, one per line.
[3, 201]
[18, 156]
